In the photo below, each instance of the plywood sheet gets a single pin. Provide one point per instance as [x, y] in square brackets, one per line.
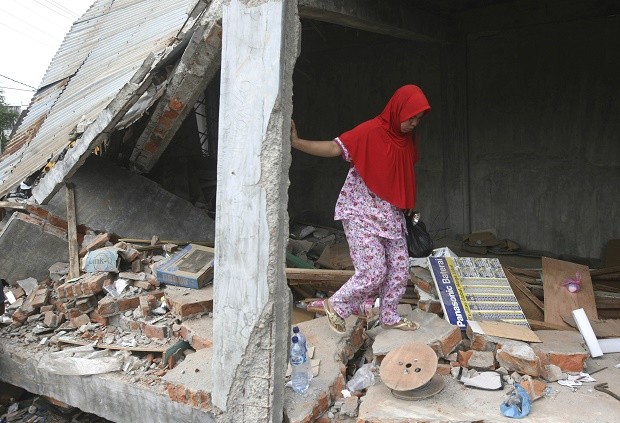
[504, 330]
[559, 302]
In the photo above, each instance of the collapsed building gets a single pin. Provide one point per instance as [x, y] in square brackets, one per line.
[172, 120]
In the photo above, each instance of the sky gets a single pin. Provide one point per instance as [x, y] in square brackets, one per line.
[31, 32]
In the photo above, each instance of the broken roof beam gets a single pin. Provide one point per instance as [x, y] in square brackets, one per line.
[196, 68]
[96, 133]
[381, 17]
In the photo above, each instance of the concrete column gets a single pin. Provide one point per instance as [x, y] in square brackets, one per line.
[251, 297]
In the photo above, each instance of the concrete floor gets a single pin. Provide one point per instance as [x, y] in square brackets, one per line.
[121, 397]
[457, 403]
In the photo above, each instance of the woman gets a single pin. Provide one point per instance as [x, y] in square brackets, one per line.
[380, 187]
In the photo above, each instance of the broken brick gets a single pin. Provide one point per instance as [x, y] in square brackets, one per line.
[86, 305]
[20, 316]
[46, 308]
[99, 241]
[51, 319]
[561, 348]
[520, 357]
[137, 266]
[187, 302]
[156, 331]
[143, 285]
[97, 318]
[80, 320]
[18, 291]
[93, 283]
[430, 306]
[534, 387]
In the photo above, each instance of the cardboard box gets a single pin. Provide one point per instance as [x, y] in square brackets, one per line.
[191, 267]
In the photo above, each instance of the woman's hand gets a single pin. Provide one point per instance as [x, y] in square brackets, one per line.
[316, 148]
[294, 136]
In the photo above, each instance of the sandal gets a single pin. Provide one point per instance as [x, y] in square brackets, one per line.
[336, 323]
[318, 306]
[402, 324]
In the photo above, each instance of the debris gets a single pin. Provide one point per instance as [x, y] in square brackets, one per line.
[586, 331]
[81, 361]
[102, 260]
[609, 345]
[603, 388]
[517, 404]
[489, 380]
[28, 285]
[192, 267]
[363, 377]
[503, 330]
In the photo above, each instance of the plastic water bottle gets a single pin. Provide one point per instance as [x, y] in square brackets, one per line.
[302, 341]
[299, 365]
[301, 337]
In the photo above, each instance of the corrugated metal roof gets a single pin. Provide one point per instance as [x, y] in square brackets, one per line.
[99, 55]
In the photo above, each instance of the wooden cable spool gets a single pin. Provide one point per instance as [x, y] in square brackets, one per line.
[409, 371]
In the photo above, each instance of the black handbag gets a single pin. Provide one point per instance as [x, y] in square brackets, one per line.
[419, 241]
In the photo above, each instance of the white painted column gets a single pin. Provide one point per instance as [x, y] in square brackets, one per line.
[252, 300]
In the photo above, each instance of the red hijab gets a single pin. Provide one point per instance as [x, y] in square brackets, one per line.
[383, 156]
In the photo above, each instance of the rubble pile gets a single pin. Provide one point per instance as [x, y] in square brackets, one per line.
[118, 306]
[122, 313]
[539, 359]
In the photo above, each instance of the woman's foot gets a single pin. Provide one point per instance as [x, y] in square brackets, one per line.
[366, 311]
[402, 324]
[336, 323]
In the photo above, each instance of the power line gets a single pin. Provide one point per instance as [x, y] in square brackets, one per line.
[64, 15]
[29, 24]
[27, 35]
[29, 86]
[63, 8]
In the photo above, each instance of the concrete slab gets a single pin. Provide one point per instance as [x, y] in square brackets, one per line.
[190, 381]
[185, 391]
[30, 246]
[334, 351]
[114, 396]
[456, 403]
[434, 331]
[564, 349]
[198, 332]
[111, 199]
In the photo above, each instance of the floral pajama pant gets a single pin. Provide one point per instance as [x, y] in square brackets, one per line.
[381, 270]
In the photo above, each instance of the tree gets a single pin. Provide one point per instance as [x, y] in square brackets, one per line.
[8, 117]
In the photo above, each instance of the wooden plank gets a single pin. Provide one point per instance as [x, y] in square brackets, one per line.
[540, 325]
[74, 258]
[595, 273]
[532, 307]
[602, 328]
[74, 341]
[533, 273]
[607, 299]
[559, 302]
[318, 274]
[12, 205]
